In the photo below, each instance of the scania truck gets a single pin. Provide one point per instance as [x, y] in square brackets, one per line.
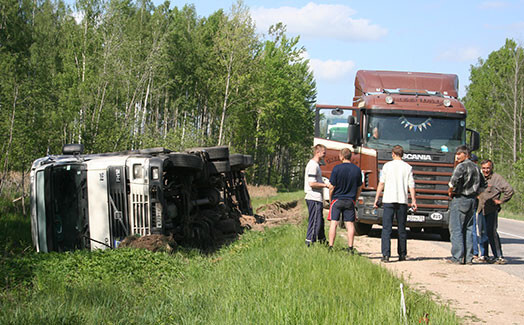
[419, 111]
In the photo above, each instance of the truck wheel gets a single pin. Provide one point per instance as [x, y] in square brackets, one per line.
[248, 161]
[362, 228]
[217, 167]
[186, 161]
[444, 234]
[214, 153]
[236, 161]
[416, 230]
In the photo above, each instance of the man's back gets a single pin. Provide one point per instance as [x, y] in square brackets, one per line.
[346, 178]
[397, 177]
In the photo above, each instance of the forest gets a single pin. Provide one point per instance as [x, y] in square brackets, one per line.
[117, 75]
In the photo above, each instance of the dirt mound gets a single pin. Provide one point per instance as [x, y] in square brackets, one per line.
[261, 190]
[154, 243]
[226, 230]
[274, 214]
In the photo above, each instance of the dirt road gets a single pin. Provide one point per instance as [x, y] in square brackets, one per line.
[479, 293]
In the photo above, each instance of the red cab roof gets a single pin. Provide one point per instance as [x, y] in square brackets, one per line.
[367, 81]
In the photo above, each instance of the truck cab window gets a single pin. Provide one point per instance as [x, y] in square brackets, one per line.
[333, 124]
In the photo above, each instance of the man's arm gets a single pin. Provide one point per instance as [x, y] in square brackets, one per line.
[506, 190]
[331, 190]
[413, 199]
[380, 187]
[318, 185]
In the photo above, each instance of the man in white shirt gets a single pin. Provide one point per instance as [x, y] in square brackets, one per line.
[313, 186]
[395, 179]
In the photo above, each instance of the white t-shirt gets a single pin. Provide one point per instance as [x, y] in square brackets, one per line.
[397, 176]
[313, 174]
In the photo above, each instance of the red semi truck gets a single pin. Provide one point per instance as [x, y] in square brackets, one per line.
[419, 111]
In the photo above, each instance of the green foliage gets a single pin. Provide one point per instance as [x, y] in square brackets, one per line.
[125, 75]
[495, 104]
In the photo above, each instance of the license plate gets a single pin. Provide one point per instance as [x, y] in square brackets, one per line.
[415, 218]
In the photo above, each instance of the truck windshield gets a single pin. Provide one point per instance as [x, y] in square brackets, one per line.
[62, 215]
[421, 133]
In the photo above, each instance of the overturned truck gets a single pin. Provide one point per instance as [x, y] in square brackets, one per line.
[94, 201]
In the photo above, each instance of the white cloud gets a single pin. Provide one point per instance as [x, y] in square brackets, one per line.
[493, 5]
[330, 70]
[460, 54]
[319, 20]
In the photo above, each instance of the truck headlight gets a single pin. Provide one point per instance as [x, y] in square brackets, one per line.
[155, 173]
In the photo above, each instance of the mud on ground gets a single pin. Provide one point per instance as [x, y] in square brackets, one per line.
[274, 214]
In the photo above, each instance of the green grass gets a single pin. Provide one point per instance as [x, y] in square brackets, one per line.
[511, 215]
[266, 277]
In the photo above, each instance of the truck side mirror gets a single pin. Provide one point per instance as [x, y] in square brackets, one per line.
[474, 140]
[353, 131]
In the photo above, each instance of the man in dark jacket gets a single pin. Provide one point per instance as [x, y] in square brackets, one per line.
[489, 205]
[466, 183]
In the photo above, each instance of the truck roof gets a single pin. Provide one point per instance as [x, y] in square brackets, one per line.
[369, 81]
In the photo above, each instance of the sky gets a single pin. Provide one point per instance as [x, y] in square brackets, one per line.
[342, 37]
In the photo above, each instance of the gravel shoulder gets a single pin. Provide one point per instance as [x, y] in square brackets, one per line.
[479, 293]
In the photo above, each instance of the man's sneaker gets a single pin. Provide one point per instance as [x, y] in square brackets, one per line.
[500, 261]
[352, 251]
[402, 258]
[480, 260]
[384, 259]
[330, 249]
[452, 261]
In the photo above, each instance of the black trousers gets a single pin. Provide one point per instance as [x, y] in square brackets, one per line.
[399, 211]
[315, 227]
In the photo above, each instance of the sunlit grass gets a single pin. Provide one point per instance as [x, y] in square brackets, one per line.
[265, 277]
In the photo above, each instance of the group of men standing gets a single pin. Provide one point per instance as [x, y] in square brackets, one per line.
[476, 195]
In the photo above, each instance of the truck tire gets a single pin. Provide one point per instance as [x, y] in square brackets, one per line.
[248, 161]
[214, 153]
[362, 228]
[186, 161]
[236, 161]
[217, 167]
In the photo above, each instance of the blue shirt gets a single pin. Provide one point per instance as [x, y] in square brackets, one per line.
[346, 178]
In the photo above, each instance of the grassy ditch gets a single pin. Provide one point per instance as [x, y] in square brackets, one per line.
[265, 277]
[511, 215]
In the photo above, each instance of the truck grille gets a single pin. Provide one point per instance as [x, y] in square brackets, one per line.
[140, 221]
[118, 213]
[431, 183]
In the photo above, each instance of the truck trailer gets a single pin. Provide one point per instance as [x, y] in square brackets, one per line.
[94, 201]
[419, 111]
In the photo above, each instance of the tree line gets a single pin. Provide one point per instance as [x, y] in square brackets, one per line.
[117, 75]
[495, 103]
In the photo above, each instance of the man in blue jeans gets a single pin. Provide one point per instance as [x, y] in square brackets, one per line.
[480, 237]
[396, 178]
[466, 183]
[498, 191]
